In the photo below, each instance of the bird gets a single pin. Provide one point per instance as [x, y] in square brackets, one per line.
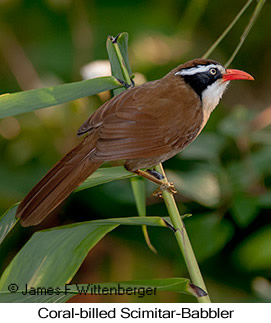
[143, 126]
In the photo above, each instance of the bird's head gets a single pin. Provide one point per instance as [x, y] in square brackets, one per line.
[209, 79]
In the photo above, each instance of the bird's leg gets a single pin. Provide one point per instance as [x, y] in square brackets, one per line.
[162, 185]
[155, 174]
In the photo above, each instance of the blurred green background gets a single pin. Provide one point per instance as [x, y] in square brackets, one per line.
[223, 178]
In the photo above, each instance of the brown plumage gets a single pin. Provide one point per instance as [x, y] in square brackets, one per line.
[144, 125]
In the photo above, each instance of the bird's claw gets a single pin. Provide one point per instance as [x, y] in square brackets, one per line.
[169, 186]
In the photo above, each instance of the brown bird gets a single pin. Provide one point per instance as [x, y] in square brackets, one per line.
[144, 126]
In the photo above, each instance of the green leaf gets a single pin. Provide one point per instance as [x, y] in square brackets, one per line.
[105, 175]
[209, 234]
[244, 209]
[139, 190]
[138, 186]
[26, 101]
[254, 253]
[118, 56]
[206, 147]
[114, 62]
[123, 46]
[236, 124]
[179, 285]
[8, 221]
[18, 297]
[164, 284]
[244, 173]
[260, 160]
[52, 257]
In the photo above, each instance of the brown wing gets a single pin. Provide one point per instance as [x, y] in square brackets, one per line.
[144, 121]
[111, 107]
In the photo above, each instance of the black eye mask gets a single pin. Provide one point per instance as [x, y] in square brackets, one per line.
[200, 81]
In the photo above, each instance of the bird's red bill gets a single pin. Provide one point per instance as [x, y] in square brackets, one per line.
[236, 75]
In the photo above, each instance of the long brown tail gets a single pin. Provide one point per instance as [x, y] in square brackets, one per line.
[58, 183]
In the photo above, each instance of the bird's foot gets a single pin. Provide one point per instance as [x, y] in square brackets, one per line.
[155, 174]
[157, 178]
[169, 186]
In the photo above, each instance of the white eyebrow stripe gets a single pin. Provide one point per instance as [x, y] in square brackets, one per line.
[197, 69]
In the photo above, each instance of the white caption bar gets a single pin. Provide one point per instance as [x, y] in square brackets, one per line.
[108, 312]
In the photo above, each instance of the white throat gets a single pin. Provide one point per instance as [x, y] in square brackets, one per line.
[211, 97]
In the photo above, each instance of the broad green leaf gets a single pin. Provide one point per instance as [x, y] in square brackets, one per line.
[244, 208]
[105, 175]
[8, 221]
[206, 147]
[115, 65]
[255, 253]
[243, 173]
[236, 124]
[52, 257]
[114, 62]
[18, 297]
[26, 101]
[209, 234]
[261, 160]
[179, 285]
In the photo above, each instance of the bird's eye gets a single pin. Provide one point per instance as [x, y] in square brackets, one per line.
[213, 71]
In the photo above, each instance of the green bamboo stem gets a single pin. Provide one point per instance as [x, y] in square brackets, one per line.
[124, 70]
[227, 30]
[250, 24]
[183, 240]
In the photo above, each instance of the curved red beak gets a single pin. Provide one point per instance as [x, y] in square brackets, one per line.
[236, 75]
